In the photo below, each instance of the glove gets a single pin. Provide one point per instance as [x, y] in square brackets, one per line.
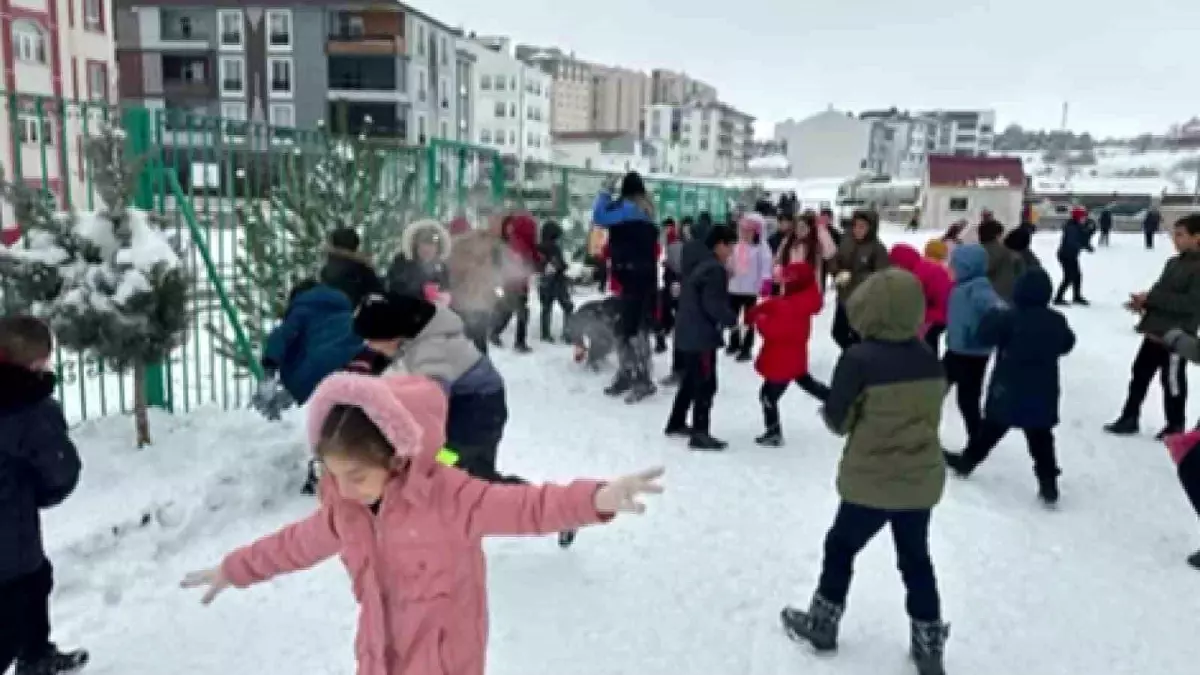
[842, 278]
[765, 289]
[271, 399]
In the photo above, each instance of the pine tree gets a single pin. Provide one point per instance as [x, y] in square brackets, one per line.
[109, 282]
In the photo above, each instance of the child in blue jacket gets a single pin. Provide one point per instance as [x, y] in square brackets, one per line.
[1030, 339]
[967, 355]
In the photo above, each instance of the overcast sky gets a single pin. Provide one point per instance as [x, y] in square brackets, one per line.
[1124, 66]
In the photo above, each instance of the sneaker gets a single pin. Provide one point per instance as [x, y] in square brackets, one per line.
[678, 431]
[818, 626]
[705, 442]
[54, 663]
[1082, 302]
[928, 646]
[771, 439]
[1124, 426]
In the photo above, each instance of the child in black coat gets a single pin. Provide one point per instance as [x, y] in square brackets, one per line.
[1030, 339]
[39, 468]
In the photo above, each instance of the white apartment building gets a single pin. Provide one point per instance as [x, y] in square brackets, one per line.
[574, 91]
[830, 144]
[71, 65]
[511, 99]
[432, 75]
[714, 139]
[965, 132]
[902, 142]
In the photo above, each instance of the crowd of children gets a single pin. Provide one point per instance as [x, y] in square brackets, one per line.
[406, 411]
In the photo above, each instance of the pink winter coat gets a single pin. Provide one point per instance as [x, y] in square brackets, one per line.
[417, 569]
[934, 278]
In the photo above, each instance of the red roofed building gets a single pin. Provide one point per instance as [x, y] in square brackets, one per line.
[959, 187]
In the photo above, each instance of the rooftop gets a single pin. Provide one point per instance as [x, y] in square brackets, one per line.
[966, 171]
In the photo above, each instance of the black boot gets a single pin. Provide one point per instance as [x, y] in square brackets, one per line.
[54, 662]
[772, 439]
[704, 441]
[1048, 489]
[1167, 431]
[623, 382]
[677, 431]
[958, 464]
[1194, 560]
[1082, 301]
[745, 352]
[641, 364]
[735, 341]
[1124, 426]
[818, 626]
[929, 646]
[566, 538]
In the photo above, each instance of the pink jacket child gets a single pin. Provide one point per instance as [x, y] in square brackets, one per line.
[935, 281]
[408, 529]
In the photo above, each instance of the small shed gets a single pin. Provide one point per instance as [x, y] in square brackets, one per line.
[959, 187]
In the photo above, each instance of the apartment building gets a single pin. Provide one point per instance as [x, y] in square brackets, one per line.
[61, 50]
[902, 142]
[829, 144]
[964, 132]
[679, 88]
[714, 139]
[574, 88]
[620, 99]
[293, 63]
[512, 100]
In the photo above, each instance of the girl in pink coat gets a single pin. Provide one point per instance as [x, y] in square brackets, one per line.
[409, 529]
[935, 282]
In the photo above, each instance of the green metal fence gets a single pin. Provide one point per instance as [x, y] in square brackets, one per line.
[204, 173]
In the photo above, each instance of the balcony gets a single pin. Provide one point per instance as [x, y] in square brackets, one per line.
[365, 33]
[364, 45]
[186, 26]
[365, 73]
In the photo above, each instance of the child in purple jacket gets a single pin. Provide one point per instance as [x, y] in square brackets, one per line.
[750, 269]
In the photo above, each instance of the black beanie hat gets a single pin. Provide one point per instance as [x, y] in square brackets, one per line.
[387, 316]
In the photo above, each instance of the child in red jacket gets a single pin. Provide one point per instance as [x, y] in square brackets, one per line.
[785, 323]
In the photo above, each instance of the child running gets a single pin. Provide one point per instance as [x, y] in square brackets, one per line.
[886, 398]
[409, 529]
[785, 322]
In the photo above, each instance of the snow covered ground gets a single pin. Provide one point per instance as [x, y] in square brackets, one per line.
[695, 586]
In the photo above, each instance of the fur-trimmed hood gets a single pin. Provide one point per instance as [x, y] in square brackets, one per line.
[426, 227]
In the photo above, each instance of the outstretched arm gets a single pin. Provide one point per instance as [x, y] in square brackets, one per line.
[298, 546]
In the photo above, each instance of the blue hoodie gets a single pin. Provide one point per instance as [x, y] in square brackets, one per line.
[971, 298]
[632, 240]
[315, 339]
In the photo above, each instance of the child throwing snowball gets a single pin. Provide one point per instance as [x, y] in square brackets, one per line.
[388, 504]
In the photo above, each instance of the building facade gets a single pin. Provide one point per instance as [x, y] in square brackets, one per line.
[512, 101]
[964, 132]
[714, 139]
[620, 98]
[53, 54]
[902, 142]
[296, 64]
[675, 88]
[609, 151]
[830, 144]
[574, 88]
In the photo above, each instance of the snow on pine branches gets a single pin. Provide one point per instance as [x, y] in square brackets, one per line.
[109, 282]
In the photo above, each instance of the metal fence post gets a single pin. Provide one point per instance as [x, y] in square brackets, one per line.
[431, 179]
[498, 178]
[139, 139]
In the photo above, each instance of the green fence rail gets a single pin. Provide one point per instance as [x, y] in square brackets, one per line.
[203, 173]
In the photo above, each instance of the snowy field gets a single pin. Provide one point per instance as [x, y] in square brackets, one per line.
[695, 586]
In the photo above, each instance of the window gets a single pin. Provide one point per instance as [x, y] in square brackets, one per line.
[281, 75]
[35, 131]
[420, 40]
[279, 29]
[232, 28]
[704, 144]
[500, 83]
[512, 83]
[421, 86]
[444, 52]
[233, 75]
[421, 129]
[500, 108]
[512, 110]
[485, 136]
[93, 15]
[29, 43]
[444, 93]
[499, 137]
[283, 115]
[485, 82]
[512, 137]
[958, 203]
[234, 112]
[529, 138]
[97, 79]
[445, 130]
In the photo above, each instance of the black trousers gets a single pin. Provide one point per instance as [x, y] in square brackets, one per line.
[771, 392]
[513, 303]
[853, 528]
[965, 374]
[474, 429]
[933, 338]
[1041, 447]
[697, 388]
[1149, 236]
[1105, 234]
[637, 306]
[741, 336]
[843, 335]
[25, 617]
[667, 304]
[551, 292]
[1189, 477]
[1072, 277]
[1154, 358]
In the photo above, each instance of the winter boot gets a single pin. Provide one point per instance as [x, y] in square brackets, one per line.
[1124, 426]
[54, 663]
[818, 626]
[640, 391]
[1168, 431]
[1194, 560]
[735, 341]
[745, 352]
[928, 646]
[1082, 302]
[772, 439]
[620, 386]
[623, 382]
[677, 431]
[1048, 490]
[958, 464]
[704, 441]
[566, 538]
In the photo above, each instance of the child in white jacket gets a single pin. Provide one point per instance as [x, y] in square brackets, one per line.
[750, 274]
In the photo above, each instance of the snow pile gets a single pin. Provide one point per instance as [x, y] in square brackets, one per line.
[133, 507]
